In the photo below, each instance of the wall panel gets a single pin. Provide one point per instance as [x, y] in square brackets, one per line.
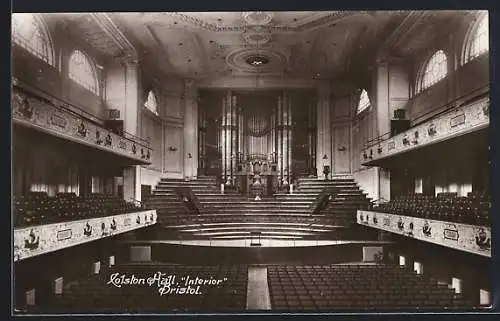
[173, 155]
[341, 149]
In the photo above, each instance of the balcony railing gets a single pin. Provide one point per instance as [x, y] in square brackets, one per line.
[41, 239]
[452, 122]
[49, 114]
[463, 237]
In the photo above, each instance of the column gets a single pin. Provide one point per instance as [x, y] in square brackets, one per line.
[287, 138]
[190, 130]
[132, 97]
[202, 146]
[132, 183]
[229, 139]
[324, 132]
[131, 174]
[279, 139]
[234, 136]
[241, 136]
[381, 101]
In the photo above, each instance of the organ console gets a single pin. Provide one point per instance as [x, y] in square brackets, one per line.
[256, 175]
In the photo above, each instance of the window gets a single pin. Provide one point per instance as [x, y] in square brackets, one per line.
[435, 70]
[151, 103]
[82, 72]
[364, 102]
[29, 33]
[479, 43]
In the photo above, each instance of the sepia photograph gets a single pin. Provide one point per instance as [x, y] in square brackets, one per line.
[238, 162]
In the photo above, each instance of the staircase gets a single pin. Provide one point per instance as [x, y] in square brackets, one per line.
[346, 202]
[233, 216]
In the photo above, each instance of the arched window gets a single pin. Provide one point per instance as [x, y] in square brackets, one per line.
[364, 102]
[151, 103]
[479, 42]
[82, 71]
[29, 33]
[435, 70]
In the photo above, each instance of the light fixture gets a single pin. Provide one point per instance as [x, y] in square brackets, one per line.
[257, 60]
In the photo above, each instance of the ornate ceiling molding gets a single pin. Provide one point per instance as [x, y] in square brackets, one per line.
[112, 31]
[237, 59]
[256, 39]
[259, 18]
[266, 28]
[404, 29]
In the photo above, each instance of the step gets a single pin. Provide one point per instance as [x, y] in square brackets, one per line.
[261, 224]
[246, 210]
[271, 237]
[241, 203]
[222, 229]
[248, 233]
[261, 202]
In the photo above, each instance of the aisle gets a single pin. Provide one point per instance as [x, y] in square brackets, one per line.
[258, 289]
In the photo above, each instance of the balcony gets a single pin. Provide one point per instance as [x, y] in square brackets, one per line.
[464, 237]
[53, 116]
[453, 123]
[41, 239]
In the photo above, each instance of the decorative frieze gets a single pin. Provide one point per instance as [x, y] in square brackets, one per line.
[463, 237]
[39, 114]
[36, 240]
[460, 121]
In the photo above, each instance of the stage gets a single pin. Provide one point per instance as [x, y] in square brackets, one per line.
[270, 251]
[244, 243]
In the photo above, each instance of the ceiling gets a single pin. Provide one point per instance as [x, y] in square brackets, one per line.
[313, 44]
[212, 44]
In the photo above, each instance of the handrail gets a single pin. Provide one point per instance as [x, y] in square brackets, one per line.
[378, 201]
[323, 199]
[51, 99]
[188, 199]
[190, 202]
[136, 202]
[449, 106]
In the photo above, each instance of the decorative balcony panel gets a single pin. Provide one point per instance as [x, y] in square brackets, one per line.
[463, 237]
[460, 121]
[36, 113]
[36, 240]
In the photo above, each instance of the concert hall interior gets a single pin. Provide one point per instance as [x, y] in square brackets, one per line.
[264, 160]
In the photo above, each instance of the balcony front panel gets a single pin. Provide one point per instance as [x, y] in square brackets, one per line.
[466, 119]
[33, 112]
[36, 240]
[463, 237]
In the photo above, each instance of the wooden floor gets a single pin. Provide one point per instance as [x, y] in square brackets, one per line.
[258, 297]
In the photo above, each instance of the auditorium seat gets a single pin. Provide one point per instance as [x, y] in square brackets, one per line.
[38, 208]
[93, 294]
[355, 286]
[473, 209]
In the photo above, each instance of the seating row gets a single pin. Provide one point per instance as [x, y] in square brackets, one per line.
[95, 294]
[354, 286]
[38, 208]
[473, 209]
